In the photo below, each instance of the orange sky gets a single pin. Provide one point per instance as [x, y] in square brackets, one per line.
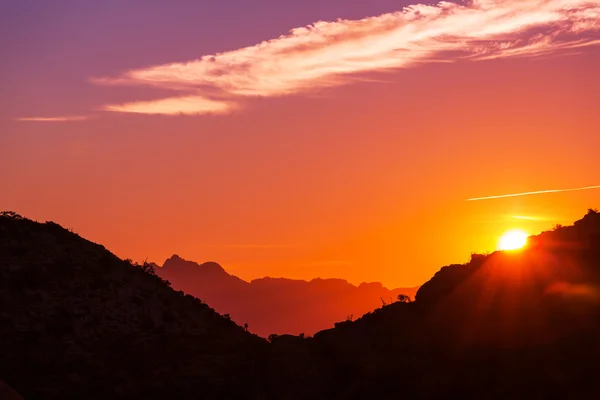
[365, 181]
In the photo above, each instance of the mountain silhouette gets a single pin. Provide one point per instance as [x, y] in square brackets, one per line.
[77, 322]
[277, 305]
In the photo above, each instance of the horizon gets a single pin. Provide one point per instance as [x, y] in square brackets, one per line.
[523, 242]
[309, 280]
[301, 140]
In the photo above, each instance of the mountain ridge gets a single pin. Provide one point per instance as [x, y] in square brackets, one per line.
[302, 306]
[77, 322]
[75, 316]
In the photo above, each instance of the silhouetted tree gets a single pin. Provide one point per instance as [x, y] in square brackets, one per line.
[272, 337]
[148, 267]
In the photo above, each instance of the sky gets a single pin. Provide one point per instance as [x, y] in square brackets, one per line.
[348, 139]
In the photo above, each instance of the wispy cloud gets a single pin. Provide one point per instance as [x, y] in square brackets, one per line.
[527, 218]
[502, 196]
[506, 218]
[66, 118]
[327, 54]
[188, 105]
[250, 246]
[327, 263]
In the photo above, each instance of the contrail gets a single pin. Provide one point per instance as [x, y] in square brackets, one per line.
[532, 193]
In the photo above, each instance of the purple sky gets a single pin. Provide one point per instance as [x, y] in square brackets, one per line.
[52, 49]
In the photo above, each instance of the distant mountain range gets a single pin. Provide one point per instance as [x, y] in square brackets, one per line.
[277, 305]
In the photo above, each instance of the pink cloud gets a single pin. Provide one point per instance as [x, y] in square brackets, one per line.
[66, 118]
[188, 105]
[327, 54]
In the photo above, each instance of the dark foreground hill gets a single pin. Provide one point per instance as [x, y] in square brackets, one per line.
[76, 322]
[277, 305]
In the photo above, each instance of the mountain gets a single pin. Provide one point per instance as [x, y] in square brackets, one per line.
[77, 322]
[515, 324]
[277, 305]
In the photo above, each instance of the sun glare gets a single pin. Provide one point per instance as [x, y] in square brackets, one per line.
[512, 240]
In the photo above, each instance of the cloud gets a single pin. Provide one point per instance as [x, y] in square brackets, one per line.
[502, 196]
[328, 263]
[188, 105]
[511, 217]
[250, 246]
[530, 218]
[327, 54]
[68, 118]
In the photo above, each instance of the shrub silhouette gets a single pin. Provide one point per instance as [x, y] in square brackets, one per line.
[149, 268]
[10, 214]
[402, 298]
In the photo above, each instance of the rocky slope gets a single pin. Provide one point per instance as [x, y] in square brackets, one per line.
[77, 322]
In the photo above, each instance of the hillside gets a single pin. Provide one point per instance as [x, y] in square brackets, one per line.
[277, 305]
[77, 322]
[522, 324]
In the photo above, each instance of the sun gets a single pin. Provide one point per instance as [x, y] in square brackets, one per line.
[512, 240]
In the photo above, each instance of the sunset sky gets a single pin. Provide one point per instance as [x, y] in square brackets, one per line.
[300, 139]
